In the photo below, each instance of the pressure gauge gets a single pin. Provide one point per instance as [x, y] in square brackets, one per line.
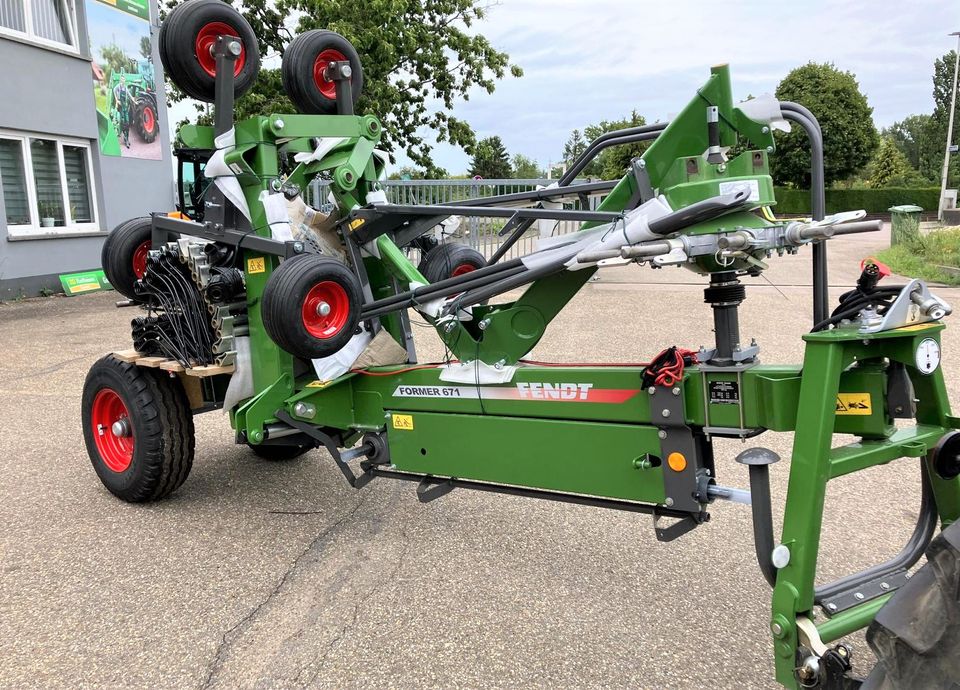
[928, 356]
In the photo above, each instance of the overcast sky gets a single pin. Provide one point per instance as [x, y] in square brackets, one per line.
[589, 60]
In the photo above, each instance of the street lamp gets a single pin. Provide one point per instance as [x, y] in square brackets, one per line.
[946, 152]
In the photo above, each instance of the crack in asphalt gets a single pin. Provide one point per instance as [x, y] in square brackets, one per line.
[218, 657]
[358, 605]
[40, 372]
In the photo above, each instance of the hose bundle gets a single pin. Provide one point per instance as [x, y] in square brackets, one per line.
[867, 294]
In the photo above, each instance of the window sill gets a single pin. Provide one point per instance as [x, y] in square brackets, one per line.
[21, 234]
[63, 49]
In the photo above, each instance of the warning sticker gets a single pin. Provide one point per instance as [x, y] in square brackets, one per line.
[403, 422]
[854, 404]
[256, 265]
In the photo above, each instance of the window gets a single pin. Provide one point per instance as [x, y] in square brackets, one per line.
[52, 22]
[47, 185]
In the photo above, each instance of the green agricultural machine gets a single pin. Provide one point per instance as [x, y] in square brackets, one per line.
[143, 94]
[307, 343]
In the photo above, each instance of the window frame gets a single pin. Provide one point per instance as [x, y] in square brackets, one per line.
[69, 227]
[31, 37]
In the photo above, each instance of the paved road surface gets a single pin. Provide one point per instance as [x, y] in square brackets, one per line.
[280, 576]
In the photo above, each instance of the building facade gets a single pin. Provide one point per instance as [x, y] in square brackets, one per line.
[84, 138]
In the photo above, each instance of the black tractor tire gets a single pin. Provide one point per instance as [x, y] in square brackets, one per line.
[146, 118]
[124, 255]
[293, 300]
[186, 36]
[153, 455]
[302, 71]
[278, 453]
[916, 635]
[449, 261]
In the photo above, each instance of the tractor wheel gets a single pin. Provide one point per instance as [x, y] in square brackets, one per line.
[311, 306]
[124, 255]
[278, 453]
[187, 38]
[138, 429]
[450, 261]
[304, 62]
[146, 119]
[916, 635]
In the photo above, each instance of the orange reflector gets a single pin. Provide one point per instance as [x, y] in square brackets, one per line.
[177, 214]
[677, 462]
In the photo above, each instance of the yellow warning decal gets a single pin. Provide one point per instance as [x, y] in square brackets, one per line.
[403, 421]
[317, 384]
[854, 404]
[256, 265]
[916, 327]
[356, 223]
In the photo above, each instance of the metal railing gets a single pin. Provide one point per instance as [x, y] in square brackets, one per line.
[479, 233]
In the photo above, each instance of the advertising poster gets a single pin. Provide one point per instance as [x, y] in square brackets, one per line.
[123, 78]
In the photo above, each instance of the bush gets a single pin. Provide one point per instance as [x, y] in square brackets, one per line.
[923, 257]
[797, 201]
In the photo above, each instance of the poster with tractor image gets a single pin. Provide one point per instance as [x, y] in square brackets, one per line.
[124, 82]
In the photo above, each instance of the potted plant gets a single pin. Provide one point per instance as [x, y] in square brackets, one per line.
[47, 213]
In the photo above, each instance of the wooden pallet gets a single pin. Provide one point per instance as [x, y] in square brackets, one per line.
[141, 360]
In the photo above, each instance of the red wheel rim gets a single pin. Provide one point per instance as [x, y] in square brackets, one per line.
[140, 259]
[109, 412]
[326, 86]
[325, 310]
[148, 120]
[461, 269]
[207, 39]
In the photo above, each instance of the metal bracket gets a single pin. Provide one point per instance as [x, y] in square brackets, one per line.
[332, 446]
[676, 529]
[859, 593]
[915, 304]
[430, 489]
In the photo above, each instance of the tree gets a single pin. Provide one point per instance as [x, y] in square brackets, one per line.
[890, 168]
[575, 146]
[526, 168]
[490, 160]
[846, 119]
[418, 58]
[614, 161]
[146, 47]
[932, 165]
[910, 137]
[409, 172]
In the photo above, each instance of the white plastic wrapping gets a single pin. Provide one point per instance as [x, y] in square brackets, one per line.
[340, 362]
[241, 382]
[324, 146]
[634, 228]
[278, 215]
[476, 372]
[765, 108]
[222, 175]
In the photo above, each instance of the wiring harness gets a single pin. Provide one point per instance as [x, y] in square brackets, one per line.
[867, 294]
[666, 369]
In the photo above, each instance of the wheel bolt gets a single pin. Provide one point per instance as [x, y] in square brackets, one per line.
[323, 309]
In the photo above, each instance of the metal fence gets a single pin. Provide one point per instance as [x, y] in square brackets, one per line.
[479, 233]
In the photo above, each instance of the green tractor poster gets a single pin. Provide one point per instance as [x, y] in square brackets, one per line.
[124, 81]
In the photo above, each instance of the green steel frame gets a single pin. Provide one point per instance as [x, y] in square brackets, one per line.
[543, 429]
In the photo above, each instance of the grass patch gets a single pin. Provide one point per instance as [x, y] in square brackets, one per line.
[921, 257]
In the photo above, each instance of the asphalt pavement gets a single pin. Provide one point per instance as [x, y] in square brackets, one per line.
[279, 575]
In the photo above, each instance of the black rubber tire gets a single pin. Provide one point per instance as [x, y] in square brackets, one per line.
[443, 261]
[916, 635]
[297, 70]
[162, 424]
[118, 251]
[285, 294]
[178, 38]
[278, 453]
[148, 136]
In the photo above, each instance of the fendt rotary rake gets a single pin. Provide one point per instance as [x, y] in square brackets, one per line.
[297, 324]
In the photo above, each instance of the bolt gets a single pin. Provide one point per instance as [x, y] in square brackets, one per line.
[776, 629]
[832, 607]
[298, 247]
[651, 390]
[483, 324]
[769, 149]
[668, 502]
[121, 427]
[256, 436]
[884, 585]
[449, 327]
[662, 434]
[665, 412]
[305, 410]
[908, 575]
[676, 390]
[722, 167]
[234, 48]
[278, 123]
[641, 163]
[323, 309]
[346, 71]
[858, 596]
[765, 130]
[498, 365]
[276, 185]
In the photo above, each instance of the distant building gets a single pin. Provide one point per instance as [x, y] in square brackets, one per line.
[84, 140]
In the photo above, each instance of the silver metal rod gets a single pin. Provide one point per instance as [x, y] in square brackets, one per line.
[729, 493]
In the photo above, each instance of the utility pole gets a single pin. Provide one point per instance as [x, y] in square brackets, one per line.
[946, 152]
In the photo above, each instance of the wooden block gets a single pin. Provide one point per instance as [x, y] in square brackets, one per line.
[210, 370]
[193, 387]
[172, 365]
[152, 362]
[127, 355]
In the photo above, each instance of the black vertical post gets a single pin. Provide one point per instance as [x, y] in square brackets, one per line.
[340, 73]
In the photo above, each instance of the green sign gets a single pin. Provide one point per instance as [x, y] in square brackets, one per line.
[138, 8]
[87, 281]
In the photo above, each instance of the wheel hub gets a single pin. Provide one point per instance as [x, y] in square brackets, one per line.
[325, 310]
[112, 431]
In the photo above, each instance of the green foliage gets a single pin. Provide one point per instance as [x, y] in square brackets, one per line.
[890, 168]
[924, 256]
[792, 201]
[115, 60]
[490, 160]
[146, 47]
[911, 135]
[612, 162]
[409, 172]
[418, 58]
[849, 137]
[937, 133]
[526, 168]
